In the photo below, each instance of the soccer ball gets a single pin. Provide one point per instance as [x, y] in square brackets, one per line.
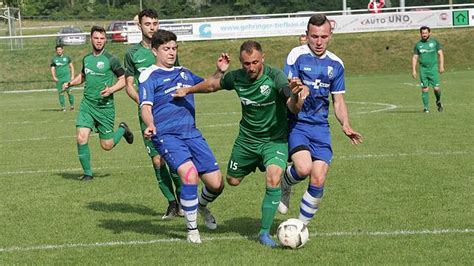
[292, 233]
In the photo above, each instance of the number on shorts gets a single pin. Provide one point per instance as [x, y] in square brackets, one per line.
[233, 165]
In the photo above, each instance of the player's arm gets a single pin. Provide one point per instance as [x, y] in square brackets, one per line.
[71, 68]
[440, 61]
[297, 94]
[53, 73]
[130, 88]
[130, 71]
[414, 62]
[210, 84]
[147, 117]
[116, 87]
[75, 81]
[340, 110]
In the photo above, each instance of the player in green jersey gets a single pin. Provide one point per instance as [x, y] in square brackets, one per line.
[264, 94]
[138, 58]
[429, 55]
[62, 70]
[103, 75]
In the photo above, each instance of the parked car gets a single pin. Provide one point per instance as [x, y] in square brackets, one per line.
[117, 26]
[71, 39]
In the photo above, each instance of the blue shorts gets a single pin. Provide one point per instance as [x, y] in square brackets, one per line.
[177, 151]
[315, 139]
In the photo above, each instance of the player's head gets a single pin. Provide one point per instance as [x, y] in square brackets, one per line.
[59, 49]
[303, 39]
[425, 32]
[318, 33]
[164, 47]
[98, 38]
[252, 58]
[148, 22]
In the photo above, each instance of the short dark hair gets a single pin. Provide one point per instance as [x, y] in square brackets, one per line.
[97, 29]
[422, 28]
[59, 46]
[147, 12]
[162, 36]
[318, 20]
[249, 46]
[303, 36]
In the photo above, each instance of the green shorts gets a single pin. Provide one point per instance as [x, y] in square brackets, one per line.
[429, 77]
[150, 148]
[59, 86]
[97, 118]
[247, 155]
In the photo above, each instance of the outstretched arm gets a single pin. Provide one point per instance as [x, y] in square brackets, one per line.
[340, 109]
[116, 87]
[74, 82]
[211, 84]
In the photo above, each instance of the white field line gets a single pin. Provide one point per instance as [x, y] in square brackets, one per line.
[349, 157]
[235, 238]
[42, 90]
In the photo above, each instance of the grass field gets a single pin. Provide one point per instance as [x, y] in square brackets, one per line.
[405, 196]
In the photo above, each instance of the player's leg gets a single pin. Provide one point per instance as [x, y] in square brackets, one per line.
[298, 146]
[208, 168]
[434, 79]
[59, 88]
[162, 175]
[424, 83]
[70, 96]
[314, 193]
[243, 160]
[105, 125]
[275, 156]
[84, 125]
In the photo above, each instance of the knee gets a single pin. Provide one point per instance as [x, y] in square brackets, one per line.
[81, 139]
[107, 145]
[303, 170]
[157, 161]
[232, 181]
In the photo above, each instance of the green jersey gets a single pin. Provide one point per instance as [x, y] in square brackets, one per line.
[263, 103]
[61, 64]
[99, 71]
[427, 52]
[139, 58]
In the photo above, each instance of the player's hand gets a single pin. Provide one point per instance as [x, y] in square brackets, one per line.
[355, 137]
[223, 62]
[180, 93]
[65, 86]
[55, 79]
[413, 74]
[441, 69]
[304, 92]
[149, 132]
[106, 92]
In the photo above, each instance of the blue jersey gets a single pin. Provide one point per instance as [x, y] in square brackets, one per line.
[172, 116]
[323, 75]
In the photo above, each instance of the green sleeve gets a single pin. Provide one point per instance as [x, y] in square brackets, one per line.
[438, 45]
[281, 82]
[69, 59]
[129, 66]
[52, 62]
[116, 67]
[227, 81]
[415, 50]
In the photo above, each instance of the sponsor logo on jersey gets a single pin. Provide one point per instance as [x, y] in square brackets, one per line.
[265, 89]
[139, 61]
[100, 65]
[317, 84]
[89, 71]
[183, 75]
[246, 101]
[64, 59]
[431, 45]
[306, 68]
[166, 80]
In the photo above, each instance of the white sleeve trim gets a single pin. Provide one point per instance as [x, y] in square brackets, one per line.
[146, 103]
[338, 92]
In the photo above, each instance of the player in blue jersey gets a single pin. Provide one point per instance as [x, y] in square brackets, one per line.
[309, 140]
[171, 126]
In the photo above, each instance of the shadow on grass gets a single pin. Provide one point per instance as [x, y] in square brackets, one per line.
[405, 112]
[244, 226]
[149, 227]
[52, 110]
[76, 176]
[121, 207]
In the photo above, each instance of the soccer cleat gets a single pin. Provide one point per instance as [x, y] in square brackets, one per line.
[128, 135]
[64, 109]
[440, 106]
[72, 108]
[86, 178]
[194, 237]
[426, 111]
[209, 219]
[266, 240]
[171, 211]
[285, 197]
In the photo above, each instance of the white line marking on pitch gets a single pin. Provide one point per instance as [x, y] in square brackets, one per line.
[232, 238]
[348, 157]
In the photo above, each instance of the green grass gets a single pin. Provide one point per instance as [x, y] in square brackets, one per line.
[414, 172]
[384, 201]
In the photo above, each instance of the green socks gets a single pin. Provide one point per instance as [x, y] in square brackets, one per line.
[85, 158]
[118, 135]
[71, 99]
[176, 181]
[164, 182]
[269, 207]
[438, 95]
[425, 98]
[61, 100]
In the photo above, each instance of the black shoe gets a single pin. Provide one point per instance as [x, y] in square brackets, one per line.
[86, 178]
[171, 212]
[128, 135]
[440, 106]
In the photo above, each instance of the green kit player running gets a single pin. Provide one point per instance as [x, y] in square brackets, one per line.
[428, 52]
[138, 58]
[262, 141]
[103, 75]
[62, 70]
